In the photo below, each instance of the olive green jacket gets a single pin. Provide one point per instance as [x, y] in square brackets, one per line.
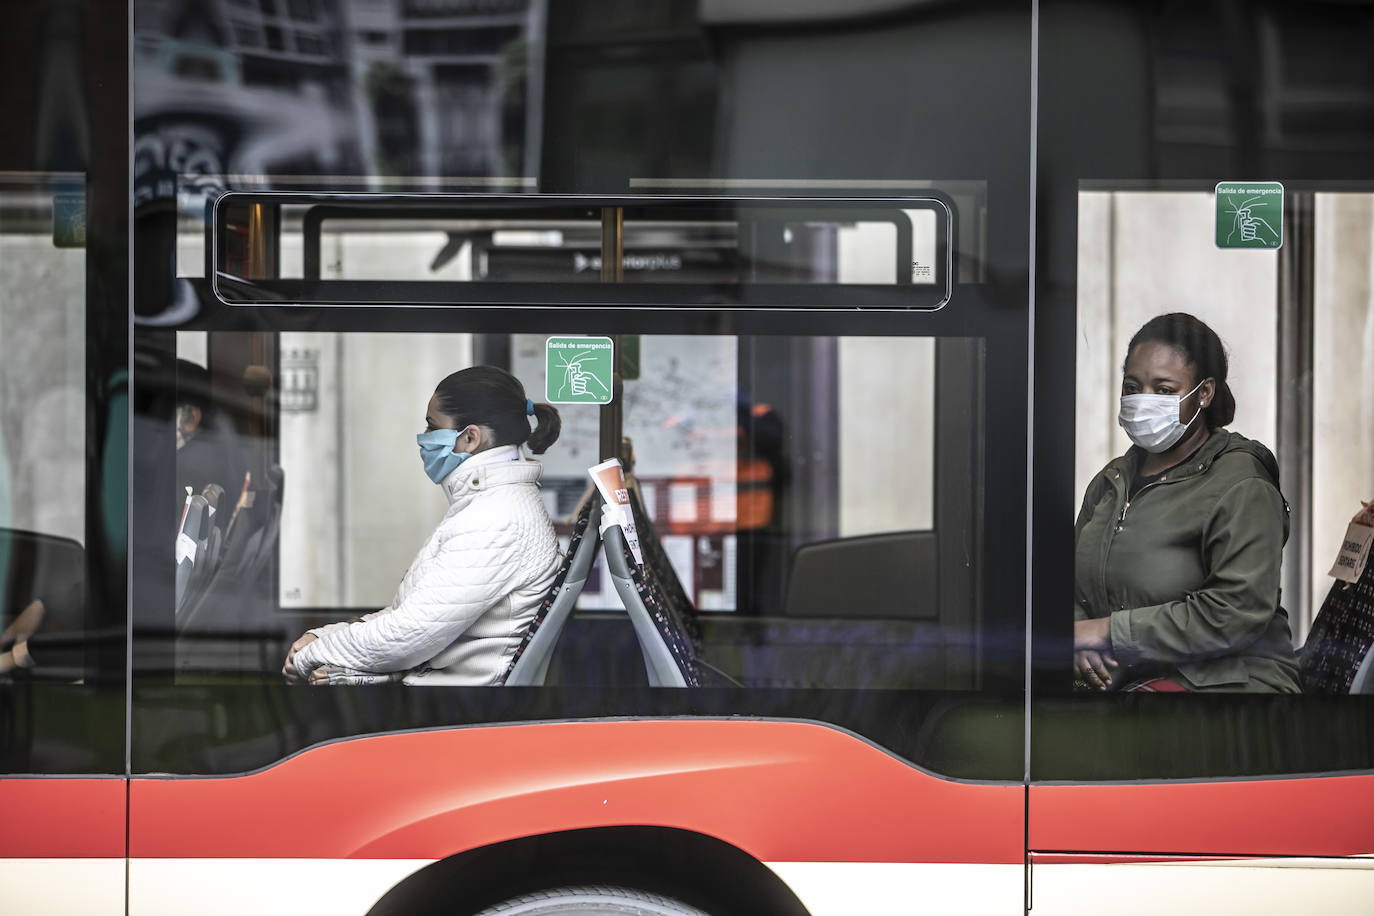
[1188, 570]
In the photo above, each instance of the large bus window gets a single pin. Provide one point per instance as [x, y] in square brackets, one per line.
[1342, 418]
[43, 260]
[1215, 624]
[1255, 578]
[51, 637]
[789, 482]
[43, 428]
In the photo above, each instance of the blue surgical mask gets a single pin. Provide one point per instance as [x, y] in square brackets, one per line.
[436, 451]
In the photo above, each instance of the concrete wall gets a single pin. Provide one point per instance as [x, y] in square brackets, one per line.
[1343, 375]
[887, 434]
[42, 376]
[358, 504]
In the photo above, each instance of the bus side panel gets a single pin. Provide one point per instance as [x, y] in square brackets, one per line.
[1254, 846]
[1322, 816]
[788, 793]
[62, 846]
[1201, 885]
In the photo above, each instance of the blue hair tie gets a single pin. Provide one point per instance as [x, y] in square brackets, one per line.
[529, 407]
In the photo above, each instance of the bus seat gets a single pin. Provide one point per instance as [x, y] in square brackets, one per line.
[1363, 681]
[52, 569]
[656, 558]
[237, 556]
[34, 565]
[207, 549]
[1341, 641]
[530, 664]
[890, 575]
[238, 544]
[669, 655]
[207, 553]
[263, 542]
[189, 543]
[236, 536]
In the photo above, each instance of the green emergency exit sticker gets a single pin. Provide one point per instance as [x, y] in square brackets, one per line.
[578, 370]
[1249, 214]
[69, 220]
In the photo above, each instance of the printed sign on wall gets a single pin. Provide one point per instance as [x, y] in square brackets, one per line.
[1249, 214]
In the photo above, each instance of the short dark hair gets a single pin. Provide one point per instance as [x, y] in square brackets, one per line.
[1202, 349]
[492, 397]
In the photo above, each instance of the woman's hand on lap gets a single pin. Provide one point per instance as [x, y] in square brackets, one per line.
[1093, 667]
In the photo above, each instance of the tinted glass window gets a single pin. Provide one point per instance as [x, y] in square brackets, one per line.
[51, 635]
[1224, 604]
[823, 457]
[785, 484]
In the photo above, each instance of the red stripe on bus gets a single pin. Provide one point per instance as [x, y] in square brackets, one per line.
[1317, 816]
[62, 818]
[781, 791]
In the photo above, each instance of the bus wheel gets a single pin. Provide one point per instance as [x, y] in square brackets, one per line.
[591, 901]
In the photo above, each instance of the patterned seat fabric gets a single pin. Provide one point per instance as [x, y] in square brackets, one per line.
[666, 618]
[1341, 636]
[579, 531]
[656, 559]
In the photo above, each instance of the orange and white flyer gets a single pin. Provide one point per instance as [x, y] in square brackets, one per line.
[609, 478]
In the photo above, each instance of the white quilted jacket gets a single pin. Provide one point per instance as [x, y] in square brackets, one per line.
[469, 595]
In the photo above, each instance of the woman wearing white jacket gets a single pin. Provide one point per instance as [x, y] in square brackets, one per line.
[469, 596]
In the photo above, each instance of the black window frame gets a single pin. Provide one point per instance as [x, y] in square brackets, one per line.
[313, 291]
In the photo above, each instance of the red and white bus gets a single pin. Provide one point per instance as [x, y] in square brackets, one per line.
[868, 271]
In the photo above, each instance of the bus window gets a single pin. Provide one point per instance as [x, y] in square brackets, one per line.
[1342, 418]
[55, 635]
[1255, 301]
[789, 483]
[43, 428]
[1215, 624]
[1289, 445]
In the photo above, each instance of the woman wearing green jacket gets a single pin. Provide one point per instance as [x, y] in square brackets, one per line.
[1179, 541]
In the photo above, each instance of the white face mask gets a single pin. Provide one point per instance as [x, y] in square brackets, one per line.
[1151, 420]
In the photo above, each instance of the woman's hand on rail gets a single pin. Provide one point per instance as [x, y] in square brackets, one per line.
[1092, 667]
[288, 668]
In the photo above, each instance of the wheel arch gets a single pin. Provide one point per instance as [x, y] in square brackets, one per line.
[701, 870]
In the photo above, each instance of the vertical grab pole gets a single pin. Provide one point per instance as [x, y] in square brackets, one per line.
[257, 242]
[612, 255]
[1296, 308]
